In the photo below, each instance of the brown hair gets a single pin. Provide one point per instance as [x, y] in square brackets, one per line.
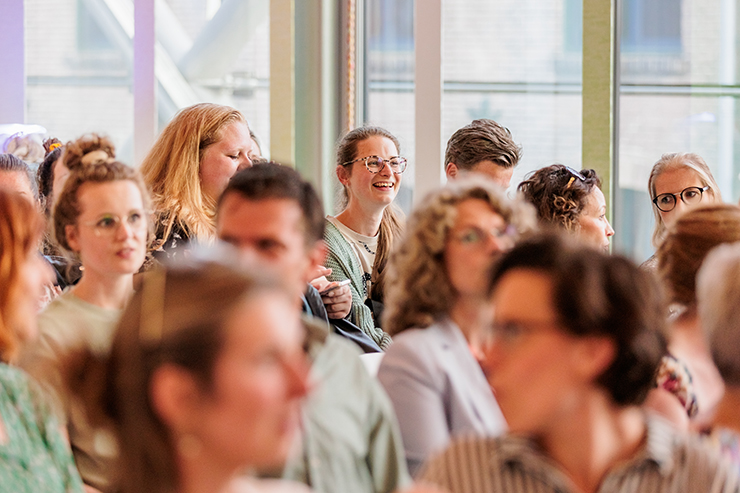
[21, 227]
[482, 140]
[688, 241]
[178, 318]
[391, 223]
[559, 194]
[670, 162]
[419, 288]
[172, 170]
[595, 294]
[45, 172]
[90, 159]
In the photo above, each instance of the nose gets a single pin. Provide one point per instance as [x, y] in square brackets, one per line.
[386, 169]
[244, 162]
[609, 229]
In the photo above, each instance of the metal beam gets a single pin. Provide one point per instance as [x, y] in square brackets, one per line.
[428, 95]
[145, 81]
[600, 92]
[282, 81]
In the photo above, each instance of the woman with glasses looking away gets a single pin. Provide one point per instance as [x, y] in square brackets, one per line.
[678, 181]
[570, 199]
[360, 237]
[101, 218]
[438, 312]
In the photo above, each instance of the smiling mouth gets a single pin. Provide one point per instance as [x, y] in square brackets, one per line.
[383, 184]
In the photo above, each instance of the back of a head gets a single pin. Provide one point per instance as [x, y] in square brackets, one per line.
[45, 171]
[265, 181]
[688, 242]
[559, 193]
[20, 229]
[90, 159]
[177, 318]
[718, 299]
[595, 294]
[482, 140]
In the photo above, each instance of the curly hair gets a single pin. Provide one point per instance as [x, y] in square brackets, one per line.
[559, 194]
[419, 288]
[90, 158]
[688, 241]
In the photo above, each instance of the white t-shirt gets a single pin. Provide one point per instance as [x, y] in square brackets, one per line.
[364, 247]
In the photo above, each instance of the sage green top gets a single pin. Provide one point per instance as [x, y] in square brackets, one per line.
[344, 264]
[34, 458]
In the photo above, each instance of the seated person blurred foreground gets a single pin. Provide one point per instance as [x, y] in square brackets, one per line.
[100, 219]
[438, 312]
[203, 381]
[485, 147]
[571, 200]
[34, 455]
[718, 298]
[350, 438]
[687, 242]
[578, 337]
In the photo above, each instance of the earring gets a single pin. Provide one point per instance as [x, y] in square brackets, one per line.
[189, 446]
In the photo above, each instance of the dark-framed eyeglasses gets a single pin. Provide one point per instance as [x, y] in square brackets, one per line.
[374, 164]
[666, 202]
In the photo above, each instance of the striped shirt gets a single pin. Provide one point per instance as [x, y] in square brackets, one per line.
[668, 463]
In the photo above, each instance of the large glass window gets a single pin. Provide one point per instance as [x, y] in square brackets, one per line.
[677, 94]
[517, 62]
[79, 61]
[389, 78]
[221, 54]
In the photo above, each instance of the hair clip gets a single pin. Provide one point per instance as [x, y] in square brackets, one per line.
[151, 318]
[54, 146]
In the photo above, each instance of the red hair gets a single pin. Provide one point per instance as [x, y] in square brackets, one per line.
[21, 226]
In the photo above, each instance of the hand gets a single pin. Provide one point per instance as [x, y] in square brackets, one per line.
[319, 272]
[338, 302]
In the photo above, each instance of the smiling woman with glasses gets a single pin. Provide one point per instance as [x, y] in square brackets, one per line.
[438, 310]
[360, 237]
[577, 339]
[101, 219]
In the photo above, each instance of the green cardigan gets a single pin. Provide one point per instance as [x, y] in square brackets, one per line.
[344, 264]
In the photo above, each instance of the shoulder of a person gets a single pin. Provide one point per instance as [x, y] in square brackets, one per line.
[464, 452]
[253, 485]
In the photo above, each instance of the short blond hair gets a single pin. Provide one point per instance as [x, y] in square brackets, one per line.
[419, 289]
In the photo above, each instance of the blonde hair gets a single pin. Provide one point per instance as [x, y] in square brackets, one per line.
[672, 161]
[419, 289]
[172, 170]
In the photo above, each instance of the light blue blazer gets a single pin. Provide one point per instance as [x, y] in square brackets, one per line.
[438, 390]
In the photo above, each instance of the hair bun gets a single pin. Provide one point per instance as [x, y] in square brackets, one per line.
[51, 144]
[88, 149]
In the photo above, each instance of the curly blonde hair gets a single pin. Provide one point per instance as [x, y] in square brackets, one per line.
[419, 290]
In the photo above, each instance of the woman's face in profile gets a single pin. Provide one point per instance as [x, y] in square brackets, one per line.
[675, 181]
[594, 227]
[251, 413]
[478, 236]
[534, 365]
[225, 157]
